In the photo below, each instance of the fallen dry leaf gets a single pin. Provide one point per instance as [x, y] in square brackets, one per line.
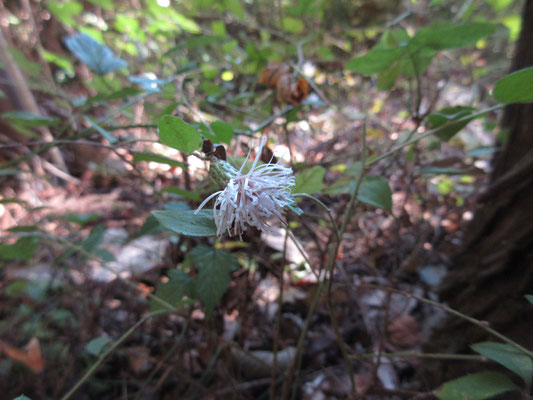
[29, 356]
[404, 331]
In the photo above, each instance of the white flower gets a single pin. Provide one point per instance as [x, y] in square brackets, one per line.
[253, 198]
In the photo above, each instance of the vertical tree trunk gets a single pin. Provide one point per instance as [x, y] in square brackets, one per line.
[494, 268]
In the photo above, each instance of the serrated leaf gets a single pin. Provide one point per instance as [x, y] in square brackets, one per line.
[172, 292]
[97, 56]
[98, 345]
[224, 132]
[176, 133]
[479, 386]
[157, 158]
[214, 268]
[445, 35]
[448, 115]
[188, 223]
[508, 356]
[516, 87]
[375, 190]
[310, 180]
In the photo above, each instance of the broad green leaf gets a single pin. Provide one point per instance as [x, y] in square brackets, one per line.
[234, 7]
[177, 206]
[388, 78]
[516, 87]
[445, 36]
[182, 193]
[91, 243]
[98, 345]
[508, 356]
[65, 11]
[176, 133]
[188, 223]
[479, 386]
[29, 119]
[293, 25]
[375, 61]
[375, 190]
[218, 28]
[157, 158]
[448, 115]
[214, 268]
[529, 297]
[22, 250]
[224, 132]
[310, 180]
[151, 225]
[97, 56]
[179, 284]
[59, 60]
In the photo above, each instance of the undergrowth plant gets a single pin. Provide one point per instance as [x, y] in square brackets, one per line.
[254, 193]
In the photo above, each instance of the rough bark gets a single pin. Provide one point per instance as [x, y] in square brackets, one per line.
[494, 268]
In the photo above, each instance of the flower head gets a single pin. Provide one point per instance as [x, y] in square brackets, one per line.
[252, 198]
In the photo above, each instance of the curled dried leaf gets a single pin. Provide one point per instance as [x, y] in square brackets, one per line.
[289, 89]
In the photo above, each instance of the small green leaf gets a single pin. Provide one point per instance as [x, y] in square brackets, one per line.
[59, 60]
[172, 292]
[375, 61]
[508, 356]
[214, 268]
[529, 297]
[310, 180]
[29, 119]
[176, 133]
[224, 132]
[516, 87]
[445, 35]
[447, 116]
[65, 11]
[479, 386]
[100, 130]
[98, 345]
[234, 7]
[182, 193]
[293, 25]
[188, 223]
[22, 250]
[375, 190]
[82, 219]
[22, 397]
[157, 158]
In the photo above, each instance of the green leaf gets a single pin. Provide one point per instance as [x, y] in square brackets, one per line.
[29, 119]
[234, 7]
[59, 60]
[445, 36]
[82, 219]
[22, 250]
[529, 297]
[375, 61]
[293, 25]
[178, 285]
[182, 193]
[97, 56]
[516, 87]
[446, 116]
[65, 11]
[479, 386]
[214, 268]
[375, 190]
[310, 180]
[98, 345]
[157, 158]
[388, 78]
[22, 397]
[224, 132]
[105, 4]
[100, 130]
[508, 356]
[188, 223]
[91, 243]
[176, 133]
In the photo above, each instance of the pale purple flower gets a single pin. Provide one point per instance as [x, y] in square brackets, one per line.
[253, 198]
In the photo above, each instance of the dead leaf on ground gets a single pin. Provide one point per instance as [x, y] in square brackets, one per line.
[29, 356]
[404, 331]
[289, 89]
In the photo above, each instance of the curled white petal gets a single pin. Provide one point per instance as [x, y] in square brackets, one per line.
[252, 199]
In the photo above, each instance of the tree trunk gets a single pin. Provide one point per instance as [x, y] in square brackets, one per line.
[494, 268]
